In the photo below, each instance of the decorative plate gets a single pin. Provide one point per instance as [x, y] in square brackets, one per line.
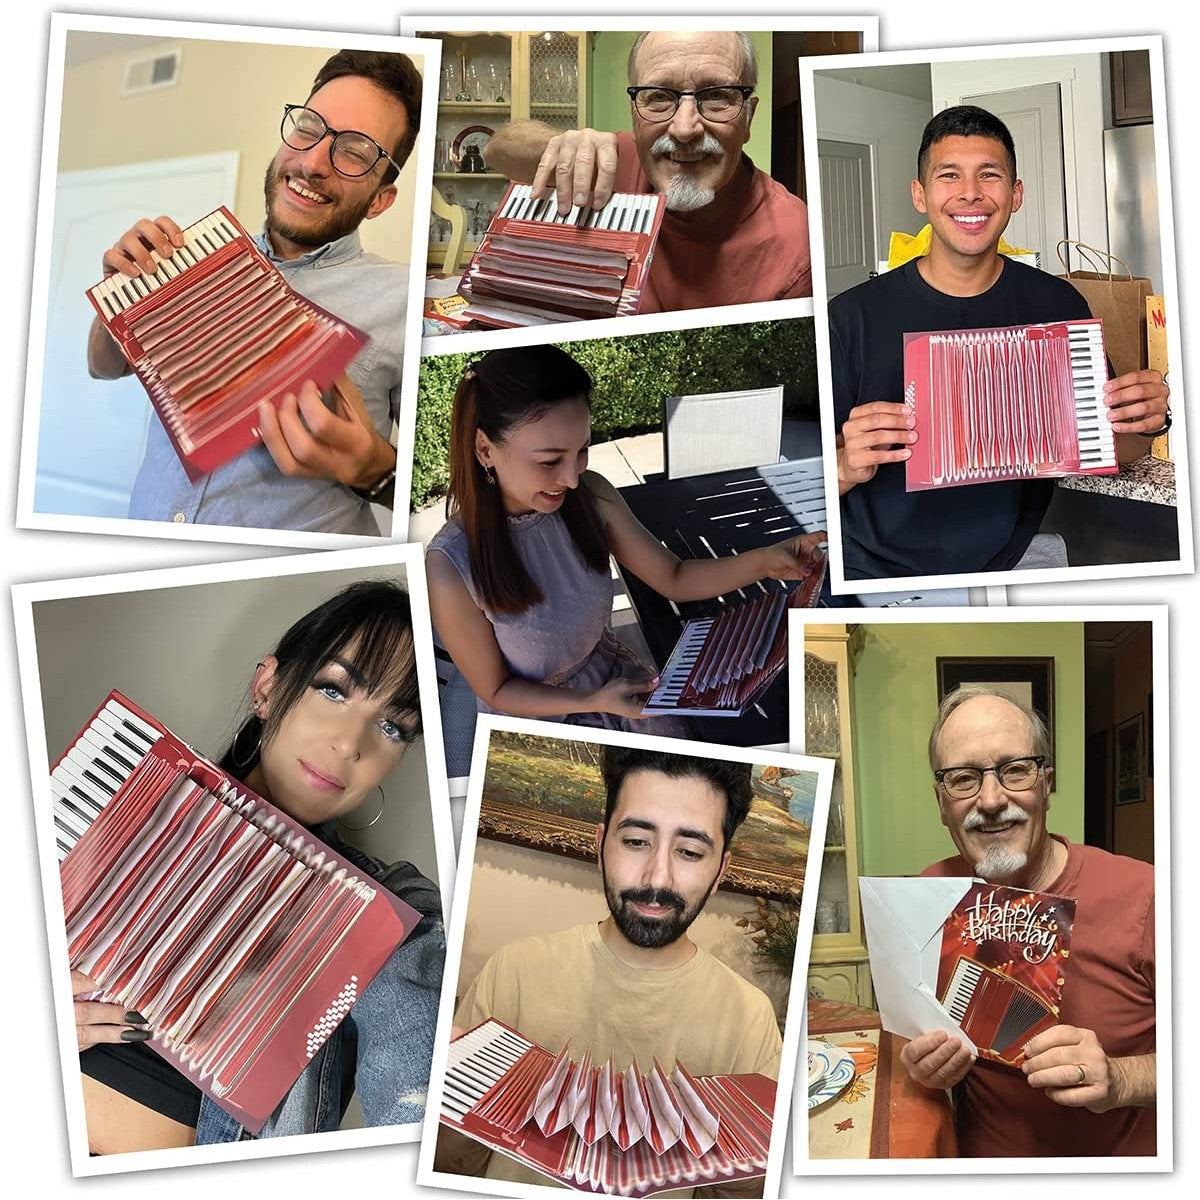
[835, 1071]
[472, 135]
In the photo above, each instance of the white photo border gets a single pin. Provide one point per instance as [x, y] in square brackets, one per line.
[1185, 564]
[1156, 615]
[61, 24]
[24, 597]
[822, 768]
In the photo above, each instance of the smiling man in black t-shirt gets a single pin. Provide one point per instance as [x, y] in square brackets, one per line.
[968, 188]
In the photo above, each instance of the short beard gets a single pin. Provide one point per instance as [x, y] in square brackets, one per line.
[998, 864]
[684, 194]
[341, 218]
[647, 932]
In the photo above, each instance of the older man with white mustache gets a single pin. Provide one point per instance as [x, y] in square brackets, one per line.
[731, 234]
[1088, 1084]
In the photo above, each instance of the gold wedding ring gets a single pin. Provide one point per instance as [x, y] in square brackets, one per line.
[1082, 1075]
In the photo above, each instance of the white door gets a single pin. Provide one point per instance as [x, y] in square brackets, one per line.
[847, 213]
[92, 433]
[1034, 117]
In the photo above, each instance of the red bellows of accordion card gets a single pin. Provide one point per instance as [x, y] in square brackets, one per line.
[1004, 960]
[599, 1129]
[214, 331]
[241, 938]
[1022, 402]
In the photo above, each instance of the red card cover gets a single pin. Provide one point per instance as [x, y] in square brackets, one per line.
[1003, 964]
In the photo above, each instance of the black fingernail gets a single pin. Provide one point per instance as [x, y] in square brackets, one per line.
[135, 1018]
[134, 1035]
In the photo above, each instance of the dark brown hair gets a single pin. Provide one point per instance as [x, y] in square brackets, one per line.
[502, 391]
[394, 74]
[374, 619]
[731, 779]
[965, 120]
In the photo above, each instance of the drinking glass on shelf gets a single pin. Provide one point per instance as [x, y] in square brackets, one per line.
[449, 81]
[474, 88]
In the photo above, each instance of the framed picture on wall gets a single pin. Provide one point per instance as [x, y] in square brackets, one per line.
[1130, 769]
[1028, 681]
[546, 793]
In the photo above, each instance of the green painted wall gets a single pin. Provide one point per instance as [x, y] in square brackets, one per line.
[609, 105]
[895, 703]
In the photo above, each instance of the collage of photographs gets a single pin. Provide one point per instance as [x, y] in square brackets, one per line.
[591, 595]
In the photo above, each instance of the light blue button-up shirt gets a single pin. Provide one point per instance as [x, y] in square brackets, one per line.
[368, 292]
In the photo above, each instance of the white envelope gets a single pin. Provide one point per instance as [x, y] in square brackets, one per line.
[903, 920]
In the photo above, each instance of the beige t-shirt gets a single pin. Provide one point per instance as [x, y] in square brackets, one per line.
[570, 987]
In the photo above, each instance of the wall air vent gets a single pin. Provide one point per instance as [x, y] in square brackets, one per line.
[150, 72]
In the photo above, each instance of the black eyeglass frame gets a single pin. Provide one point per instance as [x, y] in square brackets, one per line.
[333, 135]
[745, 89]
[1039, 759]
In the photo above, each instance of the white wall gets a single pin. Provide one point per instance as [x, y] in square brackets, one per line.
[517, 892]
[1081, 82]
[892, 126]
[187, 655]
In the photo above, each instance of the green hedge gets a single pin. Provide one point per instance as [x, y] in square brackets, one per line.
[633, 374]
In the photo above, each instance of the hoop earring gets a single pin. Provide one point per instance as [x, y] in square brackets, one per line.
[358, 828]
[235, 754]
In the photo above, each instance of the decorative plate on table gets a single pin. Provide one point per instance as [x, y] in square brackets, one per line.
[830, 1071]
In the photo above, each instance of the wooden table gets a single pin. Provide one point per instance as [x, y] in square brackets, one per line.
[882, 1114]
[711, 516]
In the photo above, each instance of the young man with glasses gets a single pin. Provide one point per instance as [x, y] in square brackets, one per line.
[321, 465]
[731, 234]
[1088, 1084]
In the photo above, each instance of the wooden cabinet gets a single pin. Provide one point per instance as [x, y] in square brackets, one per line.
[1129, 71]
[838, 967]
[489, 79]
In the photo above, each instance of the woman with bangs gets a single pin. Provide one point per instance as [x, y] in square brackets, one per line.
[334, 709]
[519, 584]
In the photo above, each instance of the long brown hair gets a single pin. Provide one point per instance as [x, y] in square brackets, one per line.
[502, 391]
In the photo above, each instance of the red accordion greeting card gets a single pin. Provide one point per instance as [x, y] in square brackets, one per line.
[1020, 402]
[597, 1129]
[241, 938]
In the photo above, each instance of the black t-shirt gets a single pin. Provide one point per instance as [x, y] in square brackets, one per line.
[886, 531]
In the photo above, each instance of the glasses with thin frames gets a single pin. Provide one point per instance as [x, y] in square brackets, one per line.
[722, 103]
[1015, 775]
[352, 154]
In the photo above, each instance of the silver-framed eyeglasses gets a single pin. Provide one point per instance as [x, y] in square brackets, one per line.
[1014, 775]
[352, 153]
[721, 103]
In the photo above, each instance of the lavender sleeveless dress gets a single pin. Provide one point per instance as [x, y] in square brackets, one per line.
[564, 641]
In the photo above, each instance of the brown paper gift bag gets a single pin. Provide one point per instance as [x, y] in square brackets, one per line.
[1117, 298]
[1156, 360]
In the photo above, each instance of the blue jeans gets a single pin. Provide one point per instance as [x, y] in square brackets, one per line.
[382, 1051]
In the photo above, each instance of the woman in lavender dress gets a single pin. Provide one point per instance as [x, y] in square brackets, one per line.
[519, 583]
